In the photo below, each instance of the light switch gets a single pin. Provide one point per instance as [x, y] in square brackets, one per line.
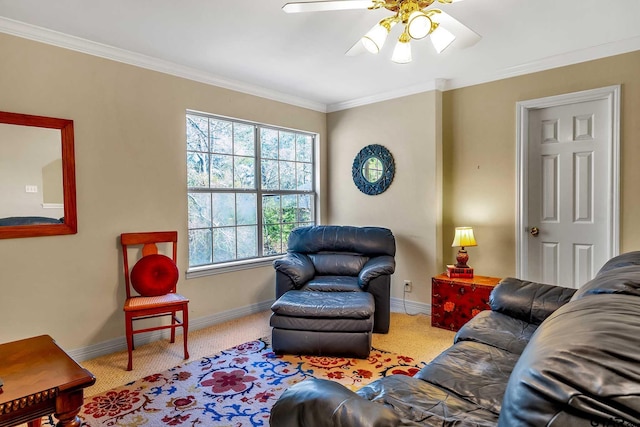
[31, 189]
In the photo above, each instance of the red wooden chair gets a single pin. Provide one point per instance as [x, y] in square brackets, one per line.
[154, 277]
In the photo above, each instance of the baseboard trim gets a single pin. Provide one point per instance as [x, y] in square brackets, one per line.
[400, 305]
[120, 343]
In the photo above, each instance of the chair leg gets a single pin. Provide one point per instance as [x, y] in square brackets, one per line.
[129, 333]
[185, 329]
[173, 327]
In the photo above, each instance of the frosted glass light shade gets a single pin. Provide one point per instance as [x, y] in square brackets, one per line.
[375, 38]
[418, 25]
[441, 39]
[402, 53]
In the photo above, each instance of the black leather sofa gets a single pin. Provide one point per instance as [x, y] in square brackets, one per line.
[334, 258]
[542, 356]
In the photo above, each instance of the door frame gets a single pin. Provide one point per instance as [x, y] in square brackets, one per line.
[612, 95]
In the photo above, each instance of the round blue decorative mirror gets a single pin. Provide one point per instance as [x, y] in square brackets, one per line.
[373, 169]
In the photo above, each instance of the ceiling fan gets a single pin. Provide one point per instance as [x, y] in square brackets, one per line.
[418, 20]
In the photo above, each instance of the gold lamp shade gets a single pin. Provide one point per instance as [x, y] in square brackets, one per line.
[463, 238]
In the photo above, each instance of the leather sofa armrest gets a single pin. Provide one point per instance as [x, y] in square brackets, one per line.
[323, 403]
[376, 267]
[297, 266]
[529, 301]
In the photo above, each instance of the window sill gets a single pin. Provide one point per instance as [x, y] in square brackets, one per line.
[229, 267]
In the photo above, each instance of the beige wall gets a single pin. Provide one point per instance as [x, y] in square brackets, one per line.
[408, 127]
[478, 165]
[131, 176]
[480, 155]
[455, 165]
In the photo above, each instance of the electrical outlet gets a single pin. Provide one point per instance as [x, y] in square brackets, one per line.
[408, 286]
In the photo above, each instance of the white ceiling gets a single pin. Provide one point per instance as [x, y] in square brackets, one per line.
[253, 46]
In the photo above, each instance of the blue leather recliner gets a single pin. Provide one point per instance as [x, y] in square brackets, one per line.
[331, 258]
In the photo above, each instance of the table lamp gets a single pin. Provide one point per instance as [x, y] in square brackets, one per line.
[463, 238]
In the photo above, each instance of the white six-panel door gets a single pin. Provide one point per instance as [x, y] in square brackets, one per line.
[568, 224]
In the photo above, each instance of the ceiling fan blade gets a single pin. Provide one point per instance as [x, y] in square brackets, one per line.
[465, 36]
[325, 5]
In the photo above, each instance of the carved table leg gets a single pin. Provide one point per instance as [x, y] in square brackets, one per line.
[68, 406]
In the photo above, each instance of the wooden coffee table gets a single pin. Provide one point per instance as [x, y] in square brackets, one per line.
[40, 379]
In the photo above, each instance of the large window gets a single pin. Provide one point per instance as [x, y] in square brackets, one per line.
[249, 186]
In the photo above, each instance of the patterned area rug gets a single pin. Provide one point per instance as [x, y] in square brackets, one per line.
[235, 388]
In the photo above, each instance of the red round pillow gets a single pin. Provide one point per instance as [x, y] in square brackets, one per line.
[154, 275]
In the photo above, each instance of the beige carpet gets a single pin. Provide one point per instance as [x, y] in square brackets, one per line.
[408, 335]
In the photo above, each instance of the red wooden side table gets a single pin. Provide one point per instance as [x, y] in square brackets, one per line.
[454, 301]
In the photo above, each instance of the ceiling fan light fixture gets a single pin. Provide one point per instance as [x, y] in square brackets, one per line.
[402, 51]
[418, 25]
[375, 37]
[441, 38]
[418, 19]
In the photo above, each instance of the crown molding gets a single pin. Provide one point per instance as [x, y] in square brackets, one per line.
[43, 35]
[561, 60]
[437, 84]
[543, 64]
[55, 38]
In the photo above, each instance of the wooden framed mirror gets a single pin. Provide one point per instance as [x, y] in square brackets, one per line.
[37, 176]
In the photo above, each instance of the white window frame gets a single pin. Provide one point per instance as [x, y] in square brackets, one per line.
[260, 260]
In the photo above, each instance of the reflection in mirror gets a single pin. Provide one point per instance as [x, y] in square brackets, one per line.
[30, 172]
[372, 169]
[37, 176]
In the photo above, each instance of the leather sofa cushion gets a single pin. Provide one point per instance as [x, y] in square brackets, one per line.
[324, 403]
[583, 359]
[622, 260]
[498, 330]
[345, 305]
[321, 324]
[420, 403]
[367, 241]
[621, 280]
[333, 284]
[338, 264]
[473, 371]
[529, 301]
